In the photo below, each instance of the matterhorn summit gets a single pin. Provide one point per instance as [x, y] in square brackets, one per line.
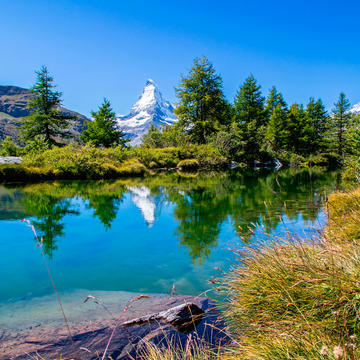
[151, 108]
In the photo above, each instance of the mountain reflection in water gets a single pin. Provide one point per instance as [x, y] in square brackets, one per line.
[198, 213]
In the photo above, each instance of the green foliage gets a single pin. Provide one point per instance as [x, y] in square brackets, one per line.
[250, 115]
[230, 142]
[153, 138]
[38, 145]
[45, 119]
[207, 155]
[341, 121]
[188, 164]
[249, 103]
[274, 100]
[316, 123]
[276, 133]
[352, 136]
[9, 148]
[294, 132]
[157, 158]
[84, 162]
[170, 136]
[202, 106]
[103, 130]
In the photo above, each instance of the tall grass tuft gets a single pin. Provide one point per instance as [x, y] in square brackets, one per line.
[300, 299]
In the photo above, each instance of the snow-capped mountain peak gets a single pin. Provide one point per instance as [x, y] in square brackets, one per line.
[355, 108]
[150, 108]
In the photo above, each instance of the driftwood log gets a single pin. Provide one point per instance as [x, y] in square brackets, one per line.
[183, 317]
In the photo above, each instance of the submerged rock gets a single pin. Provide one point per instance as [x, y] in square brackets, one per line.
[158, 319]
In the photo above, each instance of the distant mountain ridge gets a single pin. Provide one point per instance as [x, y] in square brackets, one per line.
[13, 100]
[150, 108]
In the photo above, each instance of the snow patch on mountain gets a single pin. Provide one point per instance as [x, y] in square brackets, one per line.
[355, 108]
[151, 108]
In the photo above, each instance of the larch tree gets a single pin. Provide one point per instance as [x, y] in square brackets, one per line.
[202, 107]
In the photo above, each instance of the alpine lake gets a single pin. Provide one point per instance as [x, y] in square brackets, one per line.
[149, 234]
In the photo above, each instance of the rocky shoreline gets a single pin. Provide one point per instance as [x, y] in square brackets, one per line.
[29, 329]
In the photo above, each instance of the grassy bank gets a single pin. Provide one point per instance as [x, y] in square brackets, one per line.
[84, 162]
[293, 299]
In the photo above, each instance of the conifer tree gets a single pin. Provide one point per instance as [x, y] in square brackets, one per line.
[294, 129]
[314, 127]
[274, 99]
[276, 133]
[202, 106]
[340, 122]
[45, 119]
[250, 115]
[103, 130]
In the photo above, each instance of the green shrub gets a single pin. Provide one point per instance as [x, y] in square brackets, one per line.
[208, 156]
[131, 167]
[9, 148]
[352, 168]
[157, 158]
[188, 164]
[74, 161]
[38, 145]
[78, 161]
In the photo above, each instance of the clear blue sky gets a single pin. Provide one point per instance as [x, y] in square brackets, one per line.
[109, 48]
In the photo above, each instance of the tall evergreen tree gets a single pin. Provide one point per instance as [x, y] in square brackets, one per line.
[314, 127]
[276, 132]
[340, 122]
[294, 129]
[45, 119]
[249, 113]
[202, 106]
[274, 99]
[103, 130]
[249, 103]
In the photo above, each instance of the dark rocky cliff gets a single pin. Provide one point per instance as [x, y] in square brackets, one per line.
[13, 100]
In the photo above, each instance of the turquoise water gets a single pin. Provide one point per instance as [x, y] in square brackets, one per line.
[144, 235]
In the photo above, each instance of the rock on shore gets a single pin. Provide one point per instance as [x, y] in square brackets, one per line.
[10, 160]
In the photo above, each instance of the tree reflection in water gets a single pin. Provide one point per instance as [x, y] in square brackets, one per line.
[202, 202]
